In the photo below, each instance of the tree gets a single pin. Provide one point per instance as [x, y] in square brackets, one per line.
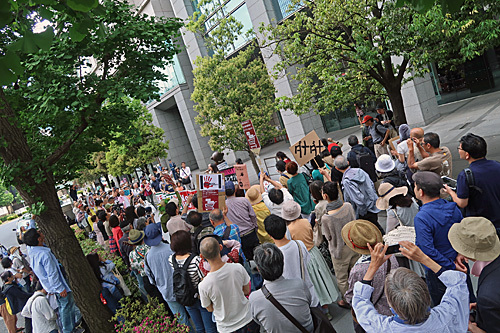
[6, 197]
[347, 51]
[58, 108]
[145, 147]
[230, 90]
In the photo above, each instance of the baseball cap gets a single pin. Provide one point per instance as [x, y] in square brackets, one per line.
[229, 185]
[427, 178]
[366, 118]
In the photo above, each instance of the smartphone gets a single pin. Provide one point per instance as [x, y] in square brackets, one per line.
[393, 249]
[452, 183]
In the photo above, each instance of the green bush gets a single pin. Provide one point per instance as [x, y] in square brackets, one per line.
[140, 317]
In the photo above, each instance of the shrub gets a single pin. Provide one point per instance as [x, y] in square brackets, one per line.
[149, 318]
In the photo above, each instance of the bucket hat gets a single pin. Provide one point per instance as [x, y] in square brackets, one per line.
[253, 195]
[152, 234]
[135, 236]
[359, 232]
[290, 210]
[475, 238]
[387, 191]
[384, 163]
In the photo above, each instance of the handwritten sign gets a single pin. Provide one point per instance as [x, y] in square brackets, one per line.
[242, 176]
[253, 141]
[307, 148]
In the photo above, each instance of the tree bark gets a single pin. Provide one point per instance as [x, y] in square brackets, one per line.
[36, 184]
[397, 105]
[254, 161]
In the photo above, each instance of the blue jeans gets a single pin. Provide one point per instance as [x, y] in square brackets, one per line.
[112, 298]
[67, 312]
[202, 318]
[178, 308]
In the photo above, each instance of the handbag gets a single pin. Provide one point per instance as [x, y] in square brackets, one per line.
[353, 314]
[320, 321]
[122, 285]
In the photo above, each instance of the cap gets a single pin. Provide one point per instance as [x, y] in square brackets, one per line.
[366, 118]
[427, 178]
[229, 185]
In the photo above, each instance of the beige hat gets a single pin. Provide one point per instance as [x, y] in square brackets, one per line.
[253, 195]
[290, 210]
[388, 191]
[475, 238]
[359, 232]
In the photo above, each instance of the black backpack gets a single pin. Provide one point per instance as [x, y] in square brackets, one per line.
[184, 291]
[365, 163]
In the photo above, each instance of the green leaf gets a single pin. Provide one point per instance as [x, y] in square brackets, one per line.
[83, 5]
[6, 76]
[45, 13]
[44, 39]
[5, 13]
[75, 35]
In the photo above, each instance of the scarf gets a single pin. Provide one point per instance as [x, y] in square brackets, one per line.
[334, 205]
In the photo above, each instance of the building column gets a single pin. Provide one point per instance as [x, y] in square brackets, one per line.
[419, 101]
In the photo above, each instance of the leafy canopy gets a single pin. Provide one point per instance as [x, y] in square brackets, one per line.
[69, 96]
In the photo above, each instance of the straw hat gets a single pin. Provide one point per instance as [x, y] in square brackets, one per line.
[388, 191]
[359, 232]
[384, 163]
[290, 210]
[475, 238]
[253, 195]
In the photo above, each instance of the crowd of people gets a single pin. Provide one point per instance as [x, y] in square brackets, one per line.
[281, 254]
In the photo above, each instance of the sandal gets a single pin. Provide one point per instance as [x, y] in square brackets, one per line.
[343, 304]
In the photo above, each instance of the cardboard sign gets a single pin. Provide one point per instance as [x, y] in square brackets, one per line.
[251, 135]
[392, 142]
[242, 176]
[91, 202]
[307, 148]
[184, 196]
[229, 175]
[213, 181]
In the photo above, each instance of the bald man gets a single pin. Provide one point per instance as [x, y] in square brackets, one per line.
[416, 134]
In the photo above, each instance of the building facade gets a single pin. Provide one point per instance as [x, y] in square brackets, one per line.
[174, 111]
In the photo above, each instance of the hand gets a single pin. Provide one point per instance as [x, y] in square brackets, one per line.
[459, 263]
[262, 176]
[189, 198]
[377, 253]
[225, 242]
[472, 306]
[64, 293]
[474, 329]
[447, 189]
[382, 143]
[409, 142]
[323, 171]
[224, 211]
[412, 252]
[366, 138]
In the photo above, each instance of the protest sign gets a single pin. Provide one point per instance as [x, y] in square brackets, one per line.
[213, 181]
[253, 141]
[307, 148]
[242, 176]
[229, 174]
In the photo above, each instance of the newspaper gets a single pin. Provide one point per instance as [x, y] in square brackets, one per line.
[401, 233]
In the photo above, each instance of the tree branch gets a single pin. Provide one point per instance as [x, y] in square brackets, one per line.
[402, 69]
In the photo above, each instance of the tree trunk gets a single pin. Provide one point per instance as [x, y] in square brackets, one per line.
[397, 105]
[254, 162]
[36, 184]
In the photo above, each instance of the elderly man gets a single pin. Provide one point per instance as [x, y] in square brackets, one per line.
[292, 294]
[475, 238]
[359, 191]
[409, 298]
[379, 134]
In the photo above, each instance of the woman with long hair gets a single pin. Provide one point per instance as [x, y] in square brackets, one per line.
[103, 270]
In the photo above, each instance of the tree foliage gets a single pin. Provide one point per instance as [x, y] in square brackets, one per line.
[68, 100]
[230, 91]
[6, 197]
[347, 51]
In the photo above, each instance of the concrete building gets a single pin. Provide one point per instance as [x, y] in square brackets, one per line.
[174, 111]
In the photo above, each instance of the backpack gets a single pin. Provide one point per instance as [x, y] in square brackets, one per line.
[195, 243]
[469, 179]
[308, 178]
[184, 291]
[365, 163]
[378, 132]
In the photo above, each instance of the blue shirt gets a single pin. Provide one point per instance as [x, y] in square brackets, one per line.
[486, 204]
[46, 267]
[432, 224]
[450, 316]
[32, 224]
[233, 235]
[159, 271]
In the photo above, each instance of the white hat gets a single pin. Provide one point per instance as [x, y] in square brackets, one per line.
[384, 163]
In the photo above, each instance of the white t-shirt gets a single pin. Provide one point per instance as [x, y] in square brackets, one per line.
[402, 149]
[274, 208]
[224, 290]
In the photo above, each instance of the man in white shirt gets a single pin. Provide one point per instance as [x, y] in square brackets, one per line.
[224, 289]
[186, 177]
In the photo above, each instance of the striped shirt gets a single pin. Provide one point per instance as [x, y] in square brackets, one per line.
[193, 269]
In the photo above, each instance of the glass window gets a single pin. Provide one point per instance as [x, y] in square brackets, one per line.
[242, 16]
[231, 5]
